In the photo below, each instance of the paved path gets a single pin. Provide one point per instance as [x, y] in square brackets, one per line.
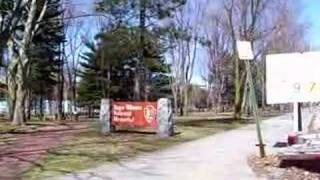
[218, 157]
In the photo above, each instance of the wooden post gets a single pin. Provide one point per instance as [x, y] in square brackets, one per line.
[297, 119]
[254, 107]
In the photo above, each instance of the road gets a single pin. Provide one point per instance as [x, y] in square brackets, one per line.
[221, 156]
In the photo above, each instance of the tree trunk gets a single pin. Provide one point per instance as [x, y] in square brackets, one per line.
[181, 101]
[19, 110]
[142, 26]
[219, 103]
[35, 105]
[50, 106]
[60, 94]
[137, 94]
[11, 83]
[12, 94]
[18, 116]
[89, 111]
[41, 108]
[74, 97]
[146, 85]
[60, 85]
[109, 82]
[23, 63]
[175, 100]
[28, 106]
[237, 82]
[209, 98]
[185, 100]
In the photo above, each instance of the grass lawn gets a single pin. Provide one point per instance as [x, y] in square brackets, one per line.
[89, 149]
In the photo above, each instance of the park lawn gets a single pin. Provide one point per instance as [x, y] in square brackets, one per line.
[89, 149]
[5, 126]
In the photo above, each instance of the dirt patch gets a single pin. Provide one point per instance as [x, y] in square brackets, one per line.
[273, 168]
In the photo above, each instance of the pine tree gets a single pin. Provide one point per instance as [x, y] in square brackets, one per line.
[144, 17]
[46, 54]
[110, 66]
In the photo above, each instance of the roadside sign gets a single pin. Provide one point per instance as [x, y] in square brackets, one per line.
[134, 114]
[292, 78]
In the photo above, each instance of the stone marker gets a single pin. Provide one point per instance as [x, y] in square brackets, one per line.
[105, 116]
[165, 118]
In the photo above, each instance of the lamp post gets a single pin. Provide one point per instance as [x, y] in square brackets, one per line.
[245, 53]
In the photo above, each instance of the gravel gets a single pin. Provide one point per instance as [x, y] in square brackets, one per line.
[273, 168]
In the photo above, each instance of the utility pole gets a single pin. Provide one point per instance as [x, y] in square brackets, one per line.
[246, 54]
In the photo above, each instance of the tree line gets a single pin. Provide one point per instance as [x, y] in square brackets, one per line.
[144, 50]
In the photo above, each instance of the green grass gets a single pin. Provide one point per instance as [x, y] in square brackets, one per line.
[89, 149]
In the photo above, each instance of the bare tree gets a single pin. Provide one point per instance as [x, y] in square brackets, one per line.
[268, 24]
[174, 81]
[217, 45]
[75, 31]
[185, 42]
[246, 21]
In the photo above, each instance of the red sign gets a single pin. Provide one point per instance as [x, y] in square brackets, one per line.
[134, 114]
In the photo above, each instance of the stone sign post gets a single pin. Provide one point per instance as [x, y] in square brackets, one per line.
[105, 116]
[165, 118]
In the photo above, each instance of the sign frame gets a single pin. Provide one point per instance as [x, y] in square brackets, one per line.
[293, 77]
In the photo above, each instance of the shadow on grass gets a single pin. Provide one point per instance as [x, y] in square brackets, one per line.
[67, 162]
[228, 123]
[34, 163]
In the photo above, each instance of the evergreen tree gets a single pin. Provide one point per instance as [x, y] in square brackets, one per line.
[110, 65]
[144, 16]
[46, 55]
[45, 51]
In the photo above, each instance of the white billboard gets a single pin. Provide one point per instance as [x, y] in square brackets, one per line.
[293, 77]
